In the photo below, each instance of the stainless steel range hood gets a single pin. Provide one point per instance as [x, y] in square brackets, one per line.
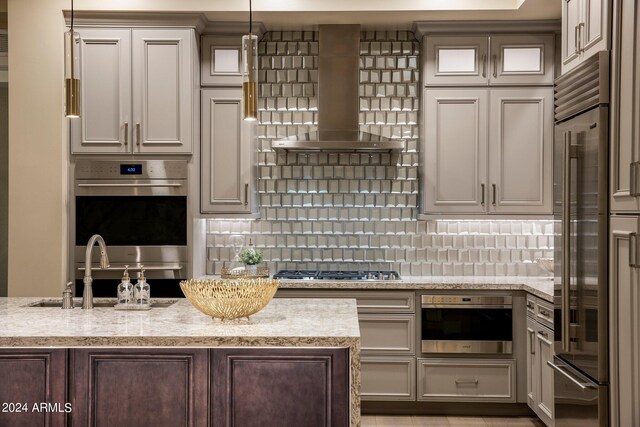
[338, 99]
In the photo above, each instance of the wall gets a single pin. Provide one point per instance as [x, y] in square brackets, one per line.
[4, 186]
[358, 211]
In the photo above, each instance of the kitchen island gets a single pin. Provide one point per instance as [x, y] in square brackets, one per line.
[297, 362]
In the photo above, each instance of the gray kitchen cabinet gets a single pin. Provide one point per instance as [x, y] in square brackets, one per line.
[456, 60]
[521, 59]
[387, 333]
[228, 153]
[532, 364]
[585, 30]
[624, 323]
[520, 150]
[104, 125]
[388, 378]
[540, 381]
[163, 90]
[488, 151]
[481, 60]
[388, 339]
[625, 104]
[221, 59]
[138, 91]
[467, 380]
[455, 150]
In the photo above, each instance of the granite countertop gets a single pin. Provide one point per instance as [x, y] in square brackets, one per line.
[541, 287]
[284, 322]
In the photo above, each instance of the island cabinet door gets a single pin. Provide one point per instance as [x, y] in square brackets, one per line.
[158, 387]
[32, 387]
[283, 387]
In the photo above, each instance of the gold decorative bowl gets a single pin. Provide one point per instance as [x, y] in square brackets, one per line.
[229, 298]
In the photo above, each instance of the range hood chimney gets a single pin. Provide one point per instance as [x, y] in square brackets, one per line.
[338, 99]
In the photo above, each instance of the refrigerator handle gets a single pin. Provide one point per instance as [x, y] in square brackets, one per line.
[583, 386]
[566, 242]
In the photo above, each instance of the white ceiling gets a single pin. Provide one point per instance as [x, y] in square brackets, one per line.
[282, 14]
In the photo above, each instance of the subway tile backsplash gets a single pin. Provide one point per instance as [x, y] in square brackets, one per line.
[353, 210]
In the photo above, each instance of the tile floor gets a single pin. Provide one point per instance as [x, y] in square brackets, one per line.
[448, 421]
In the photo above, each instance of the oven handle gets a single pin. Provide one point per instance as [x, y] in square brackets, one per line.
[130, 185]
[467, 306]
[146, 267]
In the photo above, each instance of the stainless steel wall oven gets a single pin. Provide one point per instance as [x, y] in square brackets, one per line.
[467, 324]
[140, 209]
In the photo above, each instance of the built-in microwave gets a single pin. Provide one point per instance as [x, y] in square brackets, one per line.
[467, 324]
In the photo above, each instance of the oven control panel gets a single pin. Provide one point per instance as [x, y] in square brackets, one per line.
[127, 169]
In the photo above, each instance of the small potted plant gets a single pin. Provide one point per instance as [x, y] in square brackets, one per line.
[250, 257]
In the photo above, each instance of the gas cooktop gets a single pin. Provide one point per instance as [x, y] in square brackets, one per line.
[336, 275]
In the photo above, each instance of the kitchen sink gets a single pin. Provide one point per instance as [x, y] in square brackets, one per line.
[77, 303]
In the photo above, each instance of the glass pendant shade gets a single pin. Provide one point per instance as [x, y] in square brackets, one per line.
[71, 80]
[250, 76]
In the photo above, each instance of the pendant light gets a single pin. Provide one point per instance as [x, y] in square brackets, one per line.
[71, 80]
[250, 72]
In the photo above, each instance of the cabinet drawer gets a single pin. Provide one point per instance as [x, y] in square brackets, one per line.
[368, 301]
[544, 313]
[388, 378]
[387, 333]
[532, 304]
[466, 380]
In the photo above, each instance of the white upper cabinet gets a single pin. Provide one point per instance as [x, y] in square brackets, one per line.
[455, 151]
[488, 151]
[456, 60]
[526, 59]
[137, 91]
[521, 149]
[625, 108]
[163, 90]
[228, 154]
[489, 60]
[221, 61]
[105, 75]
[585, 29]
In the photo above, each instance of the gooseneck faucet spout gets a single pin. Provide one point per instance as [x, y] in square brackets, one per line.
[87, 294]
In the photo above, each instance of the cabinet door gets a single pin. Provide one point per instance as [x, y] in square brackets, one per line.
[33, 377]
[521, 144]
[456, 61]
[532, 365]
[221, 61]
[455, 150]
[280, 387]
[625, 106]
[105, 84]
[571, 19]
[594, 30]
[544, 350]
[624, 324]
[227, 152]
[140, 387]
[163, 90]
[521, 60]
[387, 333]
[388, 378]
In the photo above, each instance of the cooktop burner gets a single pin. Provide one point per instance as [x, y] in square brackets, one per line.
[336, 275]
[296, 274]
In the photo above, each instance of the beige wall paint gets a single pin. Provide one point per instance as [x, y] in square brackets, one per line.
[37, 149]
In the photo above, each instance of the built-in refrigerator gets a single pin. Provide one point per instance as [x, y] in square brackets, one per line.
[580, 364]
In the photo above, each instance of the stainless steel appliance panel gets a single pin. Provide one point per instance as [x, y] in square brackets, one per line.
[579, 401]
[467, 324]
[581, 267]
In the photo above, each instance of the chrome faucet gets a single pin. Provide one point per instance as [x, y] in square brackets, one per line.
[87, 294]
